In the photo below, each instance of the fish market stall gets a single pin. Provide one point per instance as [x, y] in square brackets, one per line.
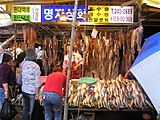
[108, 47]
[95, 98]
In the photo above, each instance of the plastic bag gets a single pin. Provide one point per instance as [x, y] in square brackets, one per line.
[7, 110]
[38, 111]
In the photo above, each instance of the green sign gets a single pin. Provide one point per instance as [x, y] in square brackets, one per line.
[26, 13]
[21, 17]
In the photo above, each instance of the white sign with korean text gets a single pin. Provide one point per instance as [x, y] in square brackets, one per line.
[120, 14]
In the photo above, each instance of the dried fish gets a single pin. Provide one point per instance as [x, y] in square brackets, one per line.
[110, 94]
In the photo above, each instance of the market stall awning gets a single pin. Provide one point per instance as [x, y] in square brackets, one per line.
[5, 19]
[146, 69]
[35, 1]
[152, 3]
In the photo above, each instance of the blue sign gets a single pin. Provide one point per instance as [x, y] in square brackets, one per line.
[52, 13]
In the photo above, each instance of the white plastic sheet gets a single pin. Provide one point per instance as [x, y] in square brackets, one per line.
[146, 69]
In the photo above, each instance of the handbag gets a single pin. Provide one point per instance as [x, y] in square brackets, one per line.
[7, 110]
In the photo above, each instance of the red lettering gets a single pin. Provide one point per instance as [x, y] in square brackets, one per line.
[121, 11]
[129, 19]
[36, 14]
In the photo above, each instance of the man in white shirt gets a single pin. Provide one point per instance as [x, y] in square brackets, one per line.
[76, 61]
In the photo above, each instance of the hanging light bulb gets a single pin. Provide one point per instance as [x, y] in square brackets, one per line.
[63, 17]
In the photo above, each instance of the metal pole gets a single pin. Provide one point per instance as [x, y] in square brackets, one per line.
[7, 41]
[84, 47]
[15, 41]
[140, 12]
[65, 116]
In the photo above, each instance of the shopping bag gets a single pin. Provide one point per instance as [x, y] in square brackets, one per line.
[38, 111]
[7, 110]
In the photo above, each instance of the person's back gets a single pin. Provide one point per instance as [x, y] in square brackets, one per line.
[53, 95]
[55, 82]
[30, 77]
[30, 82]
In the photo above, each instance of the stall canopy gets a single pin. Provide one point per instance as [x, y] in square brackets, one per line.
[36, 1]
[152, 3]
[146, 69]
[5, 19]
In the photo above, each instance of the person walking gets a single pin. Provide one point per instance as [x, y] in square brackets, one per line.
[53, 93]
[30, 82]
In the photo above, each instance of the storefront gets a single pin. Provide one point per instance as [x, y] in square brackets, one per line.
[106, 38]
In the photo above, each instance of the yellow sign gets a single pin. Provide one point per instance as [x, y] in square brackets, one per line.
[110, 14]
[153, 3]
[21, 9]
[21, 13]
[98, 14]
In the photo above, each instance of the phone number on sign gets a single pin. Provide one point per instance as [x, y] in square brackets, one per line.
[121, 19]
[121, 11]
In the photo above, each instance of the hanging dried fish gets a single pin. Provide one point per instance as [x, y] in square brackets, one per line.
[54, 49]
[44, 61]
[30, 36]
[139, 37]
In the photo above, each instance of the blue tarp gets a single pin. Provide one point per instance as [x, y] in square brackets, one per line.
[146, 68]
[150, 46]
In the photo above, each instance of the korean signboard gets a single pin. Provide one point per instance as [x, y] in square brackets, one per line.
[110, 14]
[98, 14]
[26, 13]
[52, 13]
[120, 14]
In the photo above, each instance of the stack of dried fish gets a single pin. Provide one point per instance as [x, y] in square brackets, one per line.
[111, 94]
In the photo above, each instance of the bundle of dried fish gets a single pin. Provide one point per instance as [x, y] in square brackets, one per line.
[116, 93]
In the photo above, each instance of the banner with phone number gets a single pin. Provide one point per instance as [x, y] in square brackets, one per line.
[51, 13]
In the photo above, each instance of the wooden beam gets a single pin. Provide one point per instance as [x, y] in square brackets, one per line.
[151, 9]
[5, 12]
[131, 2]
[35, 1]
[152, 20]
